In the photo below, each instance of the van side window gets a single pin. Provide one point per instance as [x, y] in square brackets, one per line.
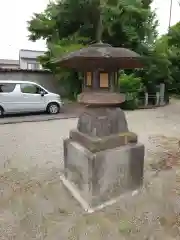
[7, 87]
[30, 88]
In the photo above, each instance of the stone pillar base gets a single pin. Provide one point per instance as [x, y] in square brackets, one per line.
[98, 177]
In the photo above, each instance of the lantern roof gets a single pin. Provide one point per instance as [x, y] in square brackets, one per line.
[101, 56]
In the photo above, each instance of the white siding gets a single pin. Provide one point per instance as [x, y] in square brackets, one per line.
[29, 59]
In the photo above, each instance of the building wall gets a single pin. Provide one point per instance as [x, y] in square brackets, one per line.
[11, 66]
[29, 57]
[9, 63]
[45, 79]
[24, 62]
[25, 53]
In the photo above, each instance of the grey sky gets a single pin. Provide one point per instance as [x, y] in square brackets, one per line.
[15, 13]
[162, 9]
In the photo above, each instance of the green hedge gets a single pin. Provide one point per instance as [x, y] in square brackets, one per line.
[131, 86]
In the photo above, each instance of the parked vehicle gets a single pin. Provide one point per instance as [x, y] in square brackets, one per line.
[26, 97]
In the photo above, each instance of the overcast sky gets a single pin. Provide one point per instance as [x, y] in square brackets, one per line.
[15, 13]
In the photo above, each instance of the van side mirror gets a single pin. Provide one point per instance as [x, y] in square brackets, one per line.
[42, 93]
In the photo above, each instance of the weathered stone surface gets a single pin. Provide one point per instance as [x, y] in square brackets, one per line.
[97, 144]
[101, 98]
[101, 176]
[101, 56]
[102, 158]
[100, 122]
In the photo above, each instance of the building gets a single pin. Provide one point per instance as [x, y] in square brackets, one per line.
[9, 64]
[28, 68]
[28, 59]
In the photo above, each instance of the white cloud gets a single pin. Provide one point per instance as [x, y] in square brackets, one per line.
[15, 13]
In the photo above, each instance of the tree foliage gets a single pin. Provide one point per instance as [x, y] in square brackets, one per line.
[130, 83]
[168, 47]
[173, 42]
[131, 86]
[68, 25]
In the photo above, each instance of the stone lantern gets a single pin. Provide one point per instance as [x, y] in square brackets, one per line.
[102, 158]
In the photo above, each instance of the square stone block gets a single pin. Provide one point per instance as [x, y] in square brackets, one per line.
[104, 175]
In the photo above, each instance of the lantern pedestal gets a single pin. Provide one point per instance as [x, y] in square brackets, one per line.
[102, 159]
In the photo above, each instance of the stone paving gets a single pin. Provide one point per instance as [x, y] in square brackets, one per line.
[34, 204]
[35, 118]
[71, 110]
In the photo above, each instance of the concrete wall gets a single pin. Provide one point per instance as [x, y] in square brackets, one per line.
[45, 79]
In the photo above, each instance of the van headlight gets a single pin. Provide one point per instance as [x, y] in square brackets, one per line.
[58, 98]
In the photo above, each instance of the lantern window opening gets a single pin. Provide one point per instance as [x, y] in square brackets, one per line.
[104, 80]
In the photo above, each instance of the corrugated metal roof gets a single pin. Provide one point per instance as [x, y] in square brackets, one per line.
[23, 70]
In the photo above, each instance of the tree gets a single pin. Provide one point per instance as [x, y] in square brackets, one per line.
[68, 25]
[169, 48]
[173, 40]
[158, 67]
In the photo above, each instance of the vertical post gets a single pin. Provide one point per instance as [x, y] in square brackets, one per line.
[111, 81]
[116, 86]
[162, 92]
[84, 81]
[96, 80]
[99, 28]
[157, 98]
[146, 99]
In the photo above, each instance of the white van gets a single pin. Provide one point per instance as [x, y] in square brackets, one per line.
[25, 96]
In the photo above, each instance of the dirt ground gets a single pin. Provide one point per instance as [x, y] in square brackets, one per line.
[35, 205]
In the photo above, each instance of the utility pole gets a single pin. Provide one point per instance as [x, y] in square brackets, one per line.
[170, 14]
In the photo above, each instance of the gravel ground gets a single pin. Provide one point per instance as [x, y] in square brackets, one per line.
[34, 204]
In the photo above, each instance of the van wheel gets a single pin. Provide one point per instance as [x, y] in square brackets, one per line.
[53, 108]
[1, 112]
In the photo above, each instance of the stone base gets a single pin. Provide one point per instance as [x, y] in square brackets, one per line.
[104, 175]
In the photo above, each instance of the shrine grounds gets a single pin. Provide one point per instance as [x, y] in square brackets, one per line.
[35, 205]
